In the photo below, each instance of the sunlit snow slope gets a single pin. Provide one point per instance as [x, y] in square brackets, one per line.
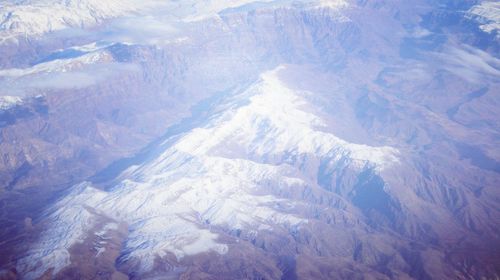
[223, 174]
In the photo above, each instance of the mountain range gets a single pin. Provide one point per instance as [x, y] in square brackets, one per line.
[249, 139]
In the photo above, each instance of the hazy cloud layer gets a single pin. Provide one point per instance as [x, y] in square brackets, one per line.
[77, 79]
[140, 30]
[471, 64]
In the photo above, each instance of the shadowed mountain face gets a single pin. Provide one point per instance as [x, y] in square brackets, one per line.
[242, 140]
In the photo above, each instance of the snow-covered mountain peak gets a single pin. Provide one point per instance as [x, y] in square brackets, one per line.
[276, 121]
[38, 17]
[213, 176]
[35, 18]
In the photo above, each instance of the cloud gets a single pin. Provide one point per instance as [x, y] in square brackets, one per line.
[151, 29]
[140, 30]
[86, 77]
[62, 80]
[471, 64]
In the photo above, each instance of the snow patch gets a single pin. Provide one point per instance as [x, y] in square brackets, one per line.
[487, 14]
[7, 102]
